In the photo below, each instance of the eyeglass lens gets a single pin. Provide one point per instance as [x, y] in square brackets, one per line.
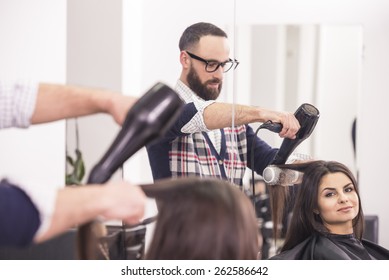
[213, 66]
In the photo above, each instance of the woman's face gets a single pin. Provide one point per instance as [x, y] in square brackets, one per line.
[338, 203]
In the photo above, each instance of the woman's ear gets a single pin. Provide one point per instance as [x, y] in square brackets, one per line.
[315, 211]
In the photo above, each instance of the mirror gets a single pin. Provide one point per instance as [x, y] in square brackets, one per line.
[281, 67]
[372, 98]
[133, 48]
[284, 66]
[146, 59]
[139, 47]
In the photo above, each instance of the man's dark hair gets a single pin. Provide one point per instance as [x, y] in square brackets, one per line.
[193, 34]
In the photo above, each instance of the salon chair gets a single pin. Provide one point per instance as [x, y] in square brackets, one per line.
[371, 228]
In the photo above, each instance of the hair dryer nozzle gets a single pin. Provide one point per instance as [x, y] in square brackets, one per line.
[307, 115]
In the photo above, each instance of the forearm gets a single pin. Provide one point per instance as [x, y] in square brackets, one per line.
[74, 206]
[78, 205]
[55, 102]
[219, 115]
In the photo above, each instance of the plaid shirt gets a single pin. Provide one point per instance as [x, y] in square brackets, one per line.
[187, 149]
[195, 154]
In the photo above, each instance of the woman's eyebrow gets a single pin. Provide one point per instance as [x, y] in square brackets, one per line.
[328, 188]
[334, 188]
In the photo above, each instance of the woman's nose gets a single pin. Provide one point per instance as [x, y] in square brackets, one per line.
[343, 198]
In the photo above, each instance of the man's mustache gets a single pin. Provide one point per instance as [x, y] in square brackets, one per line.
[216, 80]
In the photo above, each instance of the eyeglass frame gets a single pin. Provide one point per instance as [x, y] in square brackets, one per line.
[234, 64]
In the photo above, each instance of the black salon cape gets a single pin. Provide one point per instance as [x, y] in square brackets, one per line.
[334, 247]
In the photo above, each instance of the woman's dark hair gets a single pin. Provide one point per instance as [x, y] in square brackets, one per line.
[203, 219]
[192, 34]
[304, 222]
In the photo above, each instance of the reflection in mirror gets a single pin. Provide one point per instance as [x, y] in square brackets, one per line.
[284, 66]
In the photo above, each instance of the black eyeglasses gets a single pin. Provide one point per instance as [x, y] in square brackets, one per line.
[213, 65]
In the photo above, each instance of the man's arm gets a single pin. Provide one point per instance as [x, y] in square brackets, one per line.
[218, 115]
[55, 102]
[78, 205]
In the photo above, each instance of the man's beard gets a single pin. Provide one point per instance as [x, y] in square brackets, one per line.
[201, 89]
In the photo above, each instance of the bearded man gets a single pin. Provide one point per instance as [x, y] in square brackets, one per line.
[203, 142]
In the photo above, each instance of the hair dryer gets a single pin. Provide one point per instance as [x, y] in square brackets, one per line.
[149, 118]
[307, 115]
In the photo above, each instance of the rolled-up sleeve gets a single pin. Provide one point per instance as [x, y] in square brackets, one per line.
[196, 123]
[17, 103]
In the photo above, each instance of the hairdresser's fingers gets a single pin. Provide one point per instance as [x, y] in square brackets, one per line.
[290, 126]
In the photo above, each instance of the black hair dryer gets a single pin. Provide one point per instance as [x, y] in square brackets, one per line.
[307, 115]
[148, 119]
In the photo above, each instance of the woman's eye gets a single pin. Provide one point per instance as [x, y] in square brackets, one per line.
[329, 194]
[349, 189]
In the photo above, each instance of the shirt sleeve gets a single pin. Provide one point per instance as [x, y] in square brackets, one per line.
[298, 157]
[19, 218]
[17, 103]
[196, 123]
[43, 199]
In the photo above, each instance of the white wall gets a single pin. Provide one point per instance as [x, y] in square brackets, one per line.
[94, 59]
[337, 91]
[33, 46]
[289, 65]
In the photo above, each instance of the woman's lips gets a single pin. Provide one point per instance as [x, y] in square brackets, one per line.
[345, 209]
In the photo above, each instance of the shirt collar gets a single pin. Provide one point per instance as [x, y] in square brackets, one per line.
[186, 93]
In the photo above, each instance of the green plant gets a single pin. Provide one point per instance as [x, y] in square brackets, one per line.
[77, 174]
[75, 177]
